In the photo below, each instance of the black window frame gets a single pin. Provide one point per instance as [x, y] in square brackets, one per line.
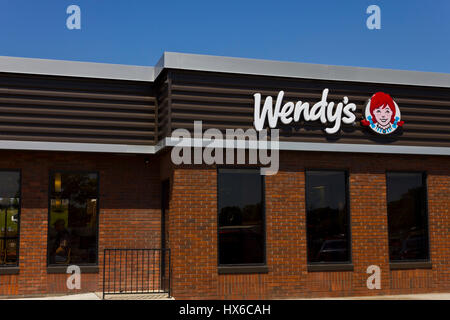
[410, 264]
[244, 267]
[16, 265]
[331, 266]
[61, 268]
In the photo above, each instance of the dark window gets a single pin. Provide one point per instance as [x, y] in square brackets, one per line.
[407, 216]
[327, 217]
[73, 218]
[9, 217]
[241, 216]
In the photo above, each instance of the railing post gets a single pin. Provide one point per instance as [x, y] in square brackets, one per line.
[170, 274]
[104, 266]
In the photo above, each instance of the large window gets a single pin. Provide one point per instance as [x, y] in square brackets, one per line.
[73, 218]
[241, 217]
[407, 216]
[9, 217]
[327, 219]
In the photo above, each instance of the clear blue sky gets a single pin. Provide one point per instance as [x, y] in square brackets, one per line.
[415, 34]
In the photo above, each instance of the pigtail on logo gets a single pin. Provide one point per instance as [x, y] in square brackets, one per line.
[365, 123]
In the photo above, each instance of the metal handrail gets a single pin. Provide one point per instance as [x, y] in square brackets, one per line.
[136, 271]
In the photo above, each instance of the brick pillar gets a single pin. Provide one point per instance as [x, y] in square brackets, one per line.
[369, 233]
[193, 233]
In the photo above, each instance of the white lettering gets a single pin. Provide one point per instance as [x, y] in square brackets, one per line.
[267, 110]
[286, 111]
[324, 111]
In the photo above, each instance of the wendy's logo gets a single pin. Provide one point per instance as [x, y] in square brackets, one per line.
[382, 114]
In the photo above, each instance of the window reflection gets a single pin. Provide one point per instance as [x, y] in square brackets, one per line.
[241, 216]
[407, 216]
[9, 217]
[73, 218]
[327, 217]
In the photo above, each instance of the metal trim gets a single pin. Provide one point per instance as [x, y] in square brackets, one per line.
[330, 267]
[169, 142]
[209, 63]
[76, 69]
[9, 270]
[364, 148]
[410, 265]
[77, 147]
[244, 269]
[55, 269]
[326, 147]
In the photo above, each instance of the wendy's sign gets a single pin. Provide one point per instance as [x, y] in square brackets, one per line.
[326, 112]
[382, 114]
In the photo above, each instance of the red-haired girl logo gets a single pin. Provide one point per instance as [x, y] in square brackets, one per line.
[382, 114]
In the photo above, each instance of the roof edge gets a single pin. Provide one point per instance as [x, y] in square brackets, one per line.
[76, 69]
[198, 62]
[210, 63]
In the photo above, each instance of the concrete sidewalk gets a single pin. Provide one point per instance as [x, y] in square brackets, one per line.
[82, 296]
[423, 296]
[97, 296]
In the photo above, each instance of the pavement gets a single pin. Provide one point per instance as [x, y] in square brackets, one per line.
[97, 296]
[423, 296]
[83, 296]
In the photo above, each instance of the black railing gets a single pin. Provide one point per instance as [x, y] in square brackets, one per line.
[136, 271]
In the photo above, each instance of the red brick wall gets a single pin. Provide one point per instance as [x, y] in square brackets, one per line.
[130, 218]
[129, 213]
[193, 228]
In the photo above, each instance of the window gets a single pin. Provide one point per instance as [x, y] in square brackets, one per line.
[241, 217]
[327, 217]
[407, 216]
[73, 218]
[9, 217]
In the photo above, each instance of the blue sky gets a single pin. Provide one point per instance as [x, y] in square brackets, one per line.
[414, 35]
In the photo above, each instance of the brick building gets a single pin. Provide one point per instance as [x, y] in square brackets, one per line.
[85, 165]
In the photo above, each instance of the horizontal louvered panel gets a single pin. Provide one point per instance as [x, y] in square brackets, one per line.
[249, 101]
[77, 139]
[73, 112]
[80, 131]
[274, 85]
[44, 108]
[74, 122]
[226, 101]
[164, 103]
[84, 95]
[73, 104]
[233, 120]
[73, 84]
[438, 115]
[294, 94]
